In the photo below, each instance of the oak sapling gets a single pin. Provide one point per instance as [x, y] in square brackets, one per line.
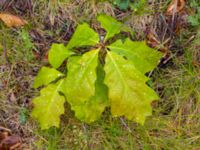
[103, 76]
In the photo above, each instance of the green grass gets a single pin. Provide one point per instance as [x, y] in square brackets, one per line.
[175, 122]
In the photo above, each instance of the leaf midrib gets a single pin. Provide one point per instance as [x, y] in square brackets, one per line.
[88, 68]
[118, 70]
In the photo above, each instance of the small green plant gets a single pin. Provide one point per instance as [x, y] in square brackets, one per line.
[27, 45]
[194, 19]
[122, 4]
[137, 6]
[98, 75]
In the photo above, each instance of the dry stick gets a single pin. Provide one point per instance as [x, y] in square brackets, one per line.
[189, 40]
[125, 125]
[85, 131]
[150, 73]
[129, 130]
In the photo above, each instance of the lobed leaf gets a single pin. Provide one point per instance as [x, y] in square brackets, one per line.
[143, 57]
[111, 25]
[57, 54]
[81, 77]
[45, 76]
[83, 36]
[49, 106]
[128, 93]
[92, 109]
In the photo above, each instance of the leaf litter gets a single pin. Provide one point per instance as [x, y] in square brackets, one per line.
[12, 20]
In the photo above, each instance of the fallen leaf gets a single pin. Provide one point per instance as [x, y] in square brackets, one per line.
[12, 20]
[153, 42]
[3, 135]
[10, 143]
[175, 7]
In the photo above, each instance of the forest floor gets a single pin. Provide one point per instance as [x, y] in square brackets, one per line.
[175, 123]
